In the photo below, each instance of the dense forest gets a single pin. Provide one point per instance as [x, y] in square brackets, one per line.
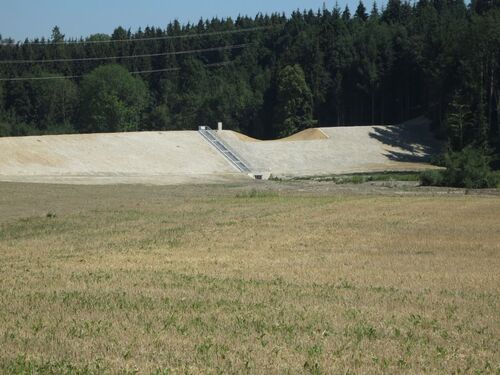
[268, 76]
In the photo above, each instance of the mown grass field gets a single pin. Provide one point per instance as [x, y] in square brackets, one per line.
[189, 280]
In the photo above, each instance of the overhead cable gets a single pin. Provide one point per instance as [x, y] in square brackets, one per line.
[212, 49]
[81, 76]
[133, 40]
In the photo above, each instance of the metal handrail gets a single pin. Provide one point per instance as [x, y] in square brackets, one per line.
[214, 134]
[224, 148]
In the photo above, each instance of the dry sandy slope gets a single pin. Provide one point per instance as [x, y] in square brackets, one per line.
[185, 157]
[147, 157]
[343, 150]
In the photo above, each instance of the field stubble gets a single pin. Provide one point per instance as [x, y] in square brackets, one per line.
[220, 279]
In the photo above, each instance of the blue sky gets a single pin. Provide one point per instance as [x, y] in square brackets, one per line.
[35, 18]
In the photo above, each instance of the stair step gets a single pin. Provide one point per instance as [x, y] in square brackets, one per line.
[223, 148]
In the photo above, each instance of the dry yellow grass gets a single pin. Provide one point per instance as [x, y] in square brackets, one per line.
[216, 280]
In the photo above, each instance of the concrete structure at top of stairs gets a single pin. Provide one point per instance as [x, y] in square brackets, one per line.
[340, 150]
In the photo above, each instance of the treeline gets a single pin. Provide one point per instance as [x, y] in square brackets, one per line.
[330, 67]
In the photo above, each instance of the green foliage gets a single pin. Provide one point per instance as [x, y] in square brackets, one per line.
[57, 36]
[431, 178]
[54, 102]
[158, 119]
[469, 168]
[5, 128]
[24, 366]
[363, 178]
[12, 127]
[361, 12]
[395, 64]
[99, 37]
[111, 100]
[1, 99]
[293, 103]
[496, 177]
[459, 121]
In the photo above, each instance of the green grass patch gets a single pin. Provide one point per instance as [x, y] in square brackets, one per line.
[360, 178]
[24, 366]
[256, 194]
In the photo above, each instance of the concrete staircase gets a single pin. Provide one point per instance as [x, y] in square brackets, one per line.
[212, 137]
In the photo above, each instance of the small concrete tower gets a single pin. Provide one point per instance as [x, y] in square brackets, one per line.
[219, 126]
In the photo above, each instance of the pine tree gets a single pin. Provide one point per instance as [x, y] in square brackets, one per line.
[294, 102]
[392, 13]
[346, 14]
[374, 15]
[57, 36]
[459, 121]
[361, 12]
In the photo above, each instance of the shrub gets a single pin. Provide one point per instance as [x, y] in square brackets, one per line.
[357, 180]
[431, 178]
[469, 168]
[5, 128]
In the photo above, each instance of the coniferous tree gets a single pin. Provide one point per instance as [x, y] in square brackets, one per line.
[57, 36]
[392, 13]
[346, 14]
[459, 121]
[293, 102]
[361, 12]
[374, 15]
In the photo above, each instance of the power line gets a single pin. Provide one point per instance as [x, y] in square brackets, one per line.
[37, 78]
[212, 49]
[131, 40]
[214, 65]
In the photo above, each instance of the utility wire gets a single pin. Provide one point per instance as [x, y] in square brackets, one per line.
[81, 76]
[223, 48]
[214, 65]
[132, 40]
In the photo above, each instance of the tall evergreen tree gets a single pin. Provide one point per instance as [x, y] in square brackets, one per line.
[361, 12]
[459, 121]
[293, 103]
[374, 15]
[57, 36]
[346, 14]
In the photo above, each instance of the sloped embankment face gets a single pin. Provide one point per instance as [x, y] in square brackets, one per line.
[406, 147]
[122, 157]
[185, 157]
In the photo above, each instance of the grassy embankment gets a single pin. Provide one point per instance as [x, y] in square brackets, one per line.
[205, 279]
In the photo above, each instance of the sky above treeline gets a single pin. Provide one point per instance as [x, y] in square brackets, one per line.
[20, 19]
